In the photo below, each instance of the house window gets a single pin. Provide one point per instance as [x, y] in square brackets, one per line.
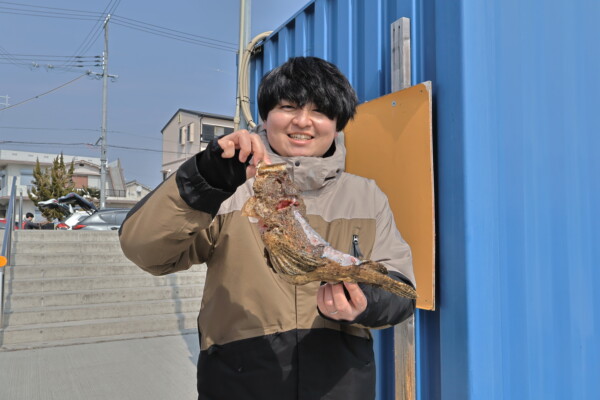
[26, 177]
[209, 132]
[182, 134]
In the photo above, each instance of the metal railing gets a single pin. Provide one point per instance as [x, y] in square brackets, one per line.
[116, 193]
[7, 244]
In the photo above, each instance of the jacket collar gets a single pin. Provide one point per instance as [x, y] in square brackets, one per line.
[311, 173]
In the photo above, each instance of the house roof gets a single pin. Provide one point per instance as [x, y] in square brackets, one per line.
[135, 182]
[201, 114]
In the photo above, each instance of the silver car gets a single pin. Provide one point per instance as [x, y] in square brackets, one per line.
[103, 220]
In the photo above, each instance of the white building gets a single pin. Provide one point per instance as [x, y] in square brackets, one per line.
[136, 190]
[20, 164]
[187, 133]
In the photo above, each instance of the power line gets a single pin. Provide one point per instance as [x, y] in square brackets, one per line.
[45, 93]
[47, 8]
[179, 38]
[173, 30]
[130, 23]
[88, 145]
[52, 56]
[87, 130]
[94, 33]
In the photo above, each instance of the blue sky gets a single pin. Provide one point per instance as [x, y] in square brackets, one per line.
[156, 75]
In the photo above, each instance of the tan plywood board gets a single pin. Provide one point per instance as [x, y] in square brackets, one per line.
[390, 141]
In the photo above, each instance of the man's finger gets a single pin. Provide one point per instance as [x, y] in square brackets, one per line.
[328, 300]
[259, 152]
[245, 146]
[228, 147]
[357, 297]
[339, 297]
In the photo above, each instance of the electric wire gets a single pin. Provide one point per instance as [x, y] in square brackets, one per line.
[90, 145]
[96, 29]
[26, 128]
[48, 8]
[173, 30]
[43, 94]
[179, 38]
[130, 23]
[9, 57]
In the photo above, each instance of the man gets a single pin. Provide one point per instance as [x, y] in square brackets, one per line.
[29, 224]
[262, 338]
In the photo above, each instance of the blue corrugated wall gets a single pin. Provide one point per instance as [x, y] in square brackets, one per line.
[516, 127]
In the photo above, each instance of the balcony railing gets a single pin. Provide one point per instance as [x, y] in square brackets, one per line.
[116, 193]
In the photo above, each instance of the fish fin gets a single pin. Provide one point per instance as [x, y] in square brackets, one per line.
[248, 209]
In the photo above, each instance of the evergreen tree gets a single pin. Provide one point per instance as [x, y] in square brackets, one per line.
[41, 185]
[91, 194]
[51, 183]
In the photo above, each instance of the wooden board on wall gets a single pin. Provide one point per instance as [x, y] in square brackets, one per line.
[390, 141]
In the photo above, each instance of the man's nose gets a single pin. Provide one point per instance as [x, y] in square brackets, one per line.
[302, 117]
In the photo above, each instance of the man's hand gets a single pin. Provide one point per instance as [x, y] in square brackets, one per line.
[249, 145]
[332, 301]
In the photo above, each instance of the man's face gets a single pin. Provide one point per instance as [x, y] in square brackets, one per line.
[299, 131]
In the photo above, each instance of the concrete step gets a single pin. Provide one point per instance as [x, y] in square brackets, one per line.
[98, 328]
[92, 340]
[69, 258]
[16, 301]
[46, 285]
[81, 270]
[21, 236]
[60, 270]
[44, 315]
[52, 247]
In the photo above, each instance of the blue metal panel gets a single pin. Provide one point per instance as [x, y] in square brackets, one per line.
[529, 189]
[516, 128]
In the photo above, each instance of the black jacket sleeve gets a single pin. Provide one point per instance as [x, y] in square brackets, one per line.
[383, 308]
[207, 179]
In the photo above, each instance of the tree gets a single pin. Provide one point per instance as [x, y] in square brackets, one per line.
[51, 183]
[89, 193]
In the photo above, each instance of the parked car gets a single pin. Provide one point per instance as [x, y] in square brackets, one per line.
[3, 224]
[65, 205]
[103, 220]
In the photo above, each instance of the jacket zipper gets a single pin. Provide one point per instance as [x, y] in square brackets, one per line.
[355, 249]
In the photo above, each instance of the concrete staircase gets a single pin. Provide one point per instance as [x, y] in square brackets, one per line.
[69, 287]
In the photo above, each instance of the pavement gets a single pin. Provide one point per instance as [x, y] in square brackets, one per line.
[159, 368]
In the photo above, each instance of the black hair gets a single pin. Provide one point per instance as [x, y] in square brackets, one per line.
[302, 80]
[29, 215]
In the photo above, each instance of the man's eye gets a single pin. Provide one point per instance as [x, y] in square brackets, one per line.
[287, 107]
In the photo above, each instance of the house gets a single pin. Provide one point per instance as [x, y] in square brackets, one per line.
[136, 191]
[187, 133]
[20, 164]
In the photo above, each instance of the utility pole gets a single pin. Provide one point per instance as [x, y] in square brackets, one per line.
[104, 97]
[5, 104]
[104, 75]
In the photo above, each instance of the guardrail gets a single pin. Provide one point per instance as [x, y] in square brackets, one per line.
[6, 259]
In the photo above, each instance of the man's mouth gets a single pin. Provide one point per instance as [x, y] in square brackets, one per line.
[299, 136]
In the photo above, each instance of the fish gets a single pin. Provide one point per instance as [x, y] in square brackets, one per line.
[295, 251]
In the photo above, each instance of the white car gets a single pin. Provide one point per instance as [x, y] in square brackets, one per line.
[65, 205]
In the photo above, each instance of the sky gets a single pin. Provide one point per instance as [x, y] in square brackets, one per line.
[166, 56]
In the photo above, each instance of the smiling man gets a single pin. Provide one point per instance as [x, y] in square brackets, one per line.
[262, 338]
